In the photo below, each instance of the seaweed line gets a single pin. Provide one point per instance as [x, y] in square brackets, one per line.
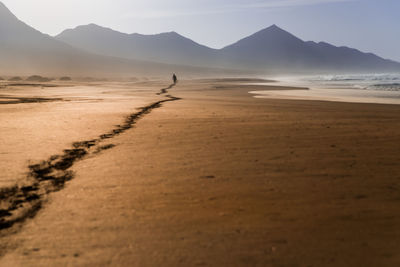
[23, 201]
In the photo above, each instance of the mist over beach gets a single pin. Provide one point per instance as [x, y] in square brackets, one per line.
[199, 133]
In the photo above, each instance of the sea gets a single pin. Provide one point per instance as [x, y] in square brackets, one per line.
[381, 88]
[379, 82]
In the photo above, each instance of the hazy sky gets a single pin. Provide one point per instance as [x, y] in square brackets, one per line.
[369, 25]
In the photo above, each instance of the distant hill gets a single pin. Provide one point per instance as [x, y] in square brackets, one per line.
[269, 49]
[269, 46]
[25, 50]
[168, 47]
[274, 46]
[22, 47]
[95, 50]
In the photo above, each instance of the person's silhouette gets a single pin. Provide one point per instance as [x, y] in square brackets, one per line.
[174, 78]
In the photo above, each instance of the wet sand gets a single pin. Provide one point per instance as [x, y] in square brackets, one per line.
[222, 178]
[336, 95]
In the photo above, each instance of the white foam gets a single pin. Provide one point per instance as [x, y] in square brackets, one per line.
[338, 95]
[364, 88]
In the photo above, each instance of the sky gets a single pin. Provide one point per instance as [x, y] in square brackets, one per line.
[368, 25]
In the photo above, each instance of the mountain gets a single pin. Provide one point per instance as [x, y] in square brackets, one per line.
[271, 46]
[267, 50]
[95, 50]
[167, 47]
[23, 47]
[24, 50]
[276, 47]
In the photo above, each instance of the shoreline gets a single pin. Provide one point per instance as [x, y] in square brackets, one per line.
[315, 92]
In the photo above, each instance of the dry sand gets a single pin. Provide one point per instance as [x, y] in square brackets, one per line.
[38, 122]
[219, 179]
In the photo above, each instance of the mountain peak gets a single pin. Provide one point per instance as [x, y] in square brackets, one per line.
[172, 34]
[90, 26]
[272, 36]
[274, 29]
[5, 13]
[88, 29]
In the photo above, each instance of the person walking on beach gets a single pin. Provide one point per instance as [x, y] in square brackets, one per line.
[174, 78]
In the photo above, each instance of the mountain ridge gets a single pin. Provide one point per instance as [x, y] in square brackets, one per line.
[99, 49]
[167, 47]
[25, 50]
[269, 48]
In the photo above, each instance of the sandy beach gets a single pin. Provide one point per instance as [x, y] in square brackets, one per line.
[201, 174]
[38, 122]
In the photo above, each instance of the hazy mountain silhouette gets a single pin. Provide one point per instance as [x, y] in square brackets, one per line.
[270, 48]
[167, 47]
[284, 50]
[93, 49]
[23, 47]
[26, 50]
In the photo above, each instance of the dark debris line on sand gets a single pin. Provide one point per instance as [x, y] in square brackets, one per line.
[20, 100]
[20, 202]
